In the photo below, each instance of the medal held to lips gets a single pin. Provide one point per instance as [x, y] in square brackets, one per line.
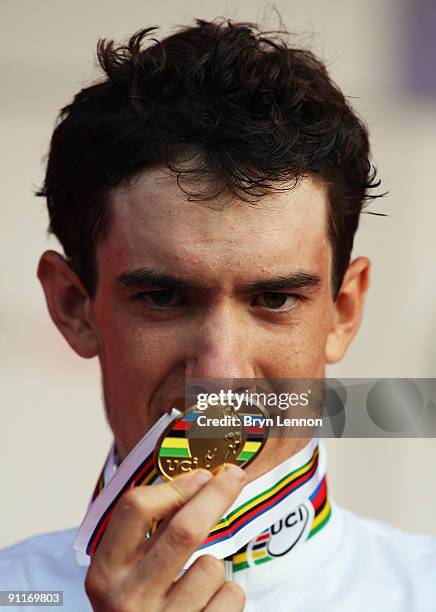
[207, 438]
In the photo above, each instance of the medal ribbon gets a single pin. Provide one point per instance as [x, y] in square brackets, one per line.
[260, 503]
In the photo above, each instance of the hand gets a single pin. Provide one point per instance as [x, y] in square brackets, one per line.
[129, 573]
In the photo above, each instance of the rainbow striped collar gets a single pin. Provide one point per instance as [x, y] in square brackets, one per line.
[295, 489]
[293, 529]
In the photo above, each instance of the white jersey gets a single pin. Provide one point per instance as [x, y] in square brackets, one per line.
[351, 565]
[317, 557]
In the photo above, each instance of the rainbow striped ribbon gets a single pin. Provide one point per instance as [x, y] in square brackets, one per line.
[261, 503]
[258, 552]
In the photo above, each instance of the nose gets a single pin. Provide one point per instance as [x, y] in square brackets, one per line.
[221, 352]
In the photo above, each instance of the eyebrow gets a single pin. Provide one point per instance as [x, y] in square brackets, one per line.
[297, 280]
[143, 277]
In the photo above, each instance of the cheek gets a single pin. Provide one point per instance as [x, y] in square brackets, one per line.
[134, 357]
[299, 351]
[137, 356]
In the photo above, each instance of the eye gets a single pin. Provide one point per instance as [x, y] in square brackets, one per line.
[161, 299]
[276, 301]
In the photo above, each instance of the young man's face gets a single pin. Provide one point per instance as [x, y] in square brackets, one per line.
[220, 323]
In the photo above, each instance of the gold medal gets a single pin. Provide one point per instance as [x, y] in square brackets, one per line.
[207, 438]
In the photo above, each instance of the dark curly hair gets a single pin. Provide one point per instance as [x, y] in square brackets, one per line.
[229, 109]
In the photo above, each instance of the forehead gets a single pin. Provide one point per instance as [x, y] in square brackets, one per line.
[154, 224]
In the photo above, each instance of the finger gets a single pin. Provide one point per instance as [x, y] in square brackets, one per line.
[135, 512]
[230, 597]
[198, 585]
[188, 529]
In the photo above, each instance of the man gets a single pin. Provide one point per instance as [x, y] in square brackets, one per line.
[206, 194]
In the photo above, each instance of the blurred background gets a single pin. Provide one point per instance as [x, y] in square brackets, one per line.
[54, 435]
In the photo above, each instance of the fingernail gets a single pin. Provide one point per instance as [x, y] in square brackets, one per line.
[235, 471]
[201, 477]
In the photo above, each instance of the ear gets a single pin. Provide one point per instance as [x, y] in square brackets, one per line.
[69, 304]
[348, 309]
